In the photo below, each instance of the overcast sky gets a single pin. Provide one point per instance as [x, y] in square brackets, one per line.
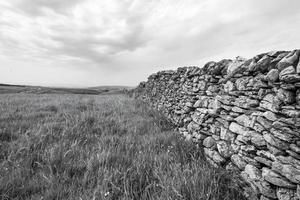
[79, 43]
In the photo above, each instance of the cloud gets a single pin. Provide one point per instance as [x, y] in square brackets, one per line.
[105, 37]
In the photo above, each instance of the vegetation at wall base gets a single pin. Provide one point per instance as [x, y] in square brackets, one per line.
[99, 147]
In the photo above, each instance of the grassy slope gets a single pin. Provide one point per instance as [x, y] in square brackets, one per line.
[9, 89]
[99, 147]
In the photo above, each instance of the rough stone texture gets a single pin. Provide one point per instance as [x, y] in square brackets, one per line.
[246, 113]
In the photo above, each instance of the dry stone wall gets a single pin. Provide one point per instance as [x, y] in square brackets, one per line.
[246, 113]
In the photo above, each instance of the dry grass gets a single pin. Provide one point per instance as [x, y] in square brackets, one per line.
[99, 147]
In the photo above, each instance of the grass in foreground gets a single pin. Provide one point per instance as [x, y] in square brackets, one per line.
[99, 147]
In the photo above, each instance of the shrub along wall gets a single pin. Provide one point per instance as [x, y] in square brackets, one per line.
[246, 113]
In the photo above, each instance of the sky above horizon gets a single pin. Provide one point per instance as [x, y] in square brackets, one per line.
[81, 43]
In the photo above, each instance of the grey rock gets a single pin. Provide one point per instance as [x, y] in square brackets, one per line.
[264, 161]
[288, 60]
[288, 171]
[246, 120]
[286, 194]
[286, 96]
[253, 172]
[270, 102]
[238, 129]
[276, 179]
[295, 148]
[209, 142]
[215, 156]
[224, 149]
[238, 161]
[226, 134]
[229, 86]
[266, 189]
[275, 141]
[273, 75]
[270, 116]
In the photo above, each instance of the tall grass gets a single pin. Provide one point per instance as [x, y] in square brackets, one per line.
[99, 147]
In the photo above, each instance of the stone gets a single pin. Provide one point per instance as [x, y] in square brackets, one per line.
[273, 75]
[237, 63]
[262, 197]
[295, 148]
[288, 171]
[270, 116]
[287, 71]
[298, 97]
[209, 142]
[275, 141]
[215, 156]
[241, 83]
[257, 139]
[226, 134]
[224, 149]
[286, 96]
[285, 136]
[264, 161]
[266, 189]
[229, 86]
[286, 194]
[288, 60]
[238, 109]
[298, 67]
[238, 161]
[246, 120]
[264, 122]
[270, 102]
[238, 129]
[245, 102]
[253, 172]
[276, 179]
[289, 75]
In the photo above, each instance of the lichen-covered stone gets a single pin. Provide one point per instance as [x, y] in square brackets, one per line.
[209, 142]
[276, 179]
[273, 75]
[238, 161]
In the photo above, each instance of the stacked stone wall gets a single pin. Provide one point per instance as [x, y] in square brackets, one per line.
[245, 113]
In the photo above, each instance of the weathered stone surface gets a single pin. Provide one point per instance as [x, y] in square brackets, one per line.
[226, 134]
[238, 161]
[229, 86]
[237, 63]
[276, 179]
[288, 171]
[215, 156]
[270, 102]
[209, 142]
[286, 194]
[286, 96]
[253, 172]
[264, 161]
[289, 75]
[238, 129]
[266, 189]
[273, 75]
[246, 120]
[288, 60]
[275, 141]
[270, 116]
[224, 149]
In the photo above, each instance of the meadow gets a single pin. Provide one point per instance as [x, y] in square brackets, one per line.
[94, 147]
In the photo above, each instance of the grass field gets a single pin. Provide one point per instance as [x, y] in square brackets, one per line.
[88, 147]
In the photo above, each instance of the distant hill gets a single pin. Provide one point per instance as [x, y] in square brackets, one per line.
[7, 88]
